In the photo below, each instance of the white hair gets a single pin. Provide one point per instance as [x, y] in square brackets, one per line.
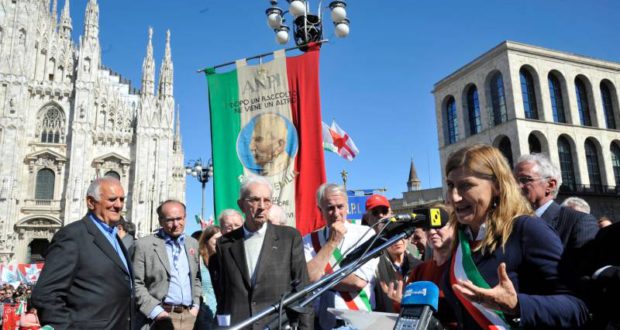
[229, 213]
[330, 188]
[544, 168]
[577, 203]
[277, 216]
[94, 190]
[244, 190]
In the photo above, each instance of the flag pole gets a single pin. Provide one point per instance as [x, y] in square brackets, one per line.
[260, 56]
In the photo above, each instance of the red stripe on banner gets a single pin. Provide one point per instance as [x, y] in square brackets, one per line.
[348, 300]
[303, 81]
[477, 315]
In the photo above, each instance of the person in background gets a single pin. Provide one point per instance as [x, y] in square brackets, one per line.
[126, 231]
[604, 222]
[377, 208]
[277, 216]
[29, 320]
[229, 220]
[419, 243]
[505, 264]
[577, 204]
[208, 305]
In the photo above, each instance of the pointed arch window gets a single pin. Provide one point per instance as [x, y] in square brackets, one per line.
[557, 100]
[52, 125]
[608, 106]
[498, 99]
[473, 111]
[451, 121]
[45, 184]
[592, 162]
[615, 163]
[582, 103]
[565, 154]
[529, 95]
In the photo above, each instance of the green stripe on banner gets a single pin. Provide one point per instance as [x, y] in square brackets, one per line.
[225, 125]
[468, 263]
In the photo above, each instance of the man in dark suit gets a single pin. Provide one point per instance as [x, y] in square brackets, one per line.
[257, 263]
[540, 181]
[87, 280]
[168, 285]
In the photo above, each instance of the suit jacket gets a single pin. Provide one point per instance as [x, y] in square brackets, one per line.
[532, 254]
[152, 271]
[574, 228]
[84, 283]
[281, 262]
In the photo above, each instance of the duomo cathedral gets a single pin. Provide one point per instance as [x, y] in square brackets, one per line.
[66, 119]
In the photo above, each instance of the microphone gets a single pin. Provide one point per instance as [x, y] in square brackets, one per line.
[417, 306]
[426, 218]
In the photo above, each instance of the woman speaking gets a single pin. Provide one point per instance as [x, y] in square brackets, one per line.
[504, 268]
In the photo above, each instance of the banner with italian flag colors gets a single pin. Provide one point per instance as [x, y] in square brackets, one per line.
[266, 120]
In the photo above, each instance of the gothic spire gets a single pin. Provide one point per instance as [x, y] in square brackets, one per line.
[148, 68]
[177, 132]
[91, 21]
[65, 21]
[166, 71]
[54, 12]
[413, 183]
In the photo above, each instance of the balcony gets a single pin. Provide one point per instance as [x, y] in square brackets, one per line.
[590, 189]
[41, 205]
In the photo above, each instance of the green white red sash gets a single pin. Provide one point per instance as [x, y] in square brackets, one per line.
[464, 268]
[359, 301]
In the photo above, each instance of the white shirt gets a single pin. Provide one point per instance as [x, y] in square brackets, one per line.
[252, 244]
[355, 236]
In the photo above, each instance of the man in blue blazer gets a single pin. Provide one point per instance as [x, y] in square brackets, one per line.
[87, 281]
[540, 181]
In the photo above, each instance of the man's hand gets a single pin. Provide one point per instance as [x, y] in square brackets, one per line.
[394, 290]
[194, 311]
[336, 233]
[502, 297]
[162, 315]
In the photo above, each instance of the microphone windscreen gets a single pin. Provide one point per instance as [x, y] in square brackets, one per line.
[421, 293]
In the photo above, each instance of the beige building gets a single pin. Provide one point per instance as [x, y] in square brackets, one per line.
[65, 119]
[522, 99]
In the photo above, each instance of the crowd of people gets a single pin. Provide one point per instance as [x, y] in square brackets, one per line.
[505, 254]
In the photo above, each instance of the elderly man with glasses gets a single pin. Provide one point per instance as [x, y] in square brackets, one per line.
[258, 262]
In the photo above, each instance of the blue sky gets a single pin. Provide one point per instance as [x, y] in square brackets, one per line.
[376, 83]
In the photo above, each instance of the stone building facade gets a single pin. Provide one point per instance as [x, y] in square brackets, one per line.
[523, 99]
[65, 120]
[415, 197]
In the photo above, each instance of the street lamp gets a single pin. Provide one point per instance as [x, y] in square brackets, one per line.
[307, 26]
[202, 173]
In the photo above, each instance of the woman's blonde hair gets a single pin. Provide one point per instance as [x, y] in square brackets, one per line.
[488, 163]
[206, 235]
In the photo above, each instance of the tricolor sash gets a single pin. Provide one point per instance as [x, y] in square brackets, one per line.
[464, 268]
[360, 301]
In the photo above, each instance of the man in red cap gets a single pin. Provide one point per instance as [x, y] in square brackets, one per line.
[377, 208]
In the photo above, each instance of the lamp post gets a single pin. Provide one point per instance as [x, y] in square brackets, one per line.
[202, 173]
[307, 27]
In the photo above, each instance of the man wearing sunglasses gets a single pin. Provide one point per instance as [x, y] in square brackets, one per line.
[377, 208]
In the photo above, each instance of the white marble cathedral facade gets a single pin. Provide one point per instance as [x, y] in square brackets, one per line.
[65, 119]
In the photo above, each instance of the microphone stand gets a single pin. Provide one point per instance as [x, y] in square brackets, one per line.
[315, 289]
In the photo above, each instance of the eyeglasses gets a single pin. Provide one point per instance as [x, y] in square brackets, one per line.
[379, 211]
[256, 200]
[526, 179]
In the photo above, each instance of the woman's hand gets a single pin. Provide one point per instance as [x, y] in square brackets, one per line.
[394, 290]
[502, 297]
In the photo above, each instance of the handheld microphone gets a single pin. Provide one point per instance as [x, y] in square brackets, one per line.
[426, 218]
[417, 306]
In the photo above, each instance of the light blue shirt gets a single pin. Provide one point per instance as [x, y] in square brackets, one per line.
[208, 294]
[109, 232]
[180, 287]
[541, 210]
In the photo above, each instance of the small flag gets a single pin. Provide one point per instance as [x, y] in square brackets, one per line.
[335, 139]
[204, 223]
[10, 273]
[29, 273]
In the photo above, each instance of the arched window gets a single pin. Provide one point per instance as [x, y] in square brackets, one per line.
[534, 144]
[529, 96]
[473, 111]
[582, 103]
[505, 147]
[451, 118]
[615, 163]
[52, 125]
[45, 184]
[557, 101]
[594, 171]
[566, 163]
[113, 174]
[608, 106]
[498, 99]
